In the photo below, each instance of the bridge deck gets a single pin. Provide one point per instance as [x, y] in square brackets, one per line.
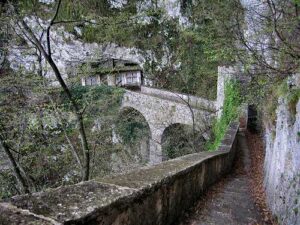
[229, 201]
[194, 101]
[178, 100]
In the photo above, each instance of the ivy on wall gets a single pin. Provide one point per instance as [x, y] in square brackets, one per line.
[230, 113]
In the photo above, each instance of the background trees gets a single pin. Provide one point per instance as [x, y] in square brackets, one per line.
[271, 49]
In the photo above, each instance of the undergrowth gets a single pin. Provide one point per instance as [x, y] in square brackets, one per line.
[230, 112]
[292, 97]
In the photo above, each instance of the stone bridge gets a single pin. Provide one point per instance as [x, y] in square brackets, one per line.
[162, 109]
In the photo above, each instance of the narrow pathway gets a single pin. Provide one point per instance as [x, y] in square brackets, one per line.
[229, 202]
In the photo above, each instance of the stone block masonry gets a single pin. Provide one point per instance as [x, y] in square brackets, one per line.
[162, 109]
[154, 195]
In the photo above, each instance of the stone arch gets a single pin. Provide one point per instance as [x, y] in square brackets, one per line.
[132, 121]
[161, 113]
[126, 103]
[125, 108]
[156, 129]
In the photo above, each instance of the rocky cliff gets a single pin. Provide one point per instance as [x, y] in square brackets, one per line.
[282, 164]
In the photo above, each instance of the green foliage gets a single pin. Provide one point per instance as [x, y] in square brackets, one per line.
[69, 10]
[178, 141]
[27, 128]
[198, 74]
[101, 95]
[296, 2]
[267, 98]
[277, 90]
[131, 126]
[7, 185]
[230, 113]
[131, 131]
[200, 47]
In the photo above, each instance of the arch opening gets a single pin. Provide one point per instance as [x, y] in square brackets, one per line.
[181, 139]
[133, 133]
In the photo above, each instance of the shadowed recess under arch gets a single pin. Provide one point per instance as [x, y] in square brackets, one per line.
[134, 131]
[180, 139]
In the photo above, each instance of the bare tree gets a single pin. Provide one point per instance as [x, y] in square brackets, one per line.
[46, 52]
[14, 165]
[271, 38]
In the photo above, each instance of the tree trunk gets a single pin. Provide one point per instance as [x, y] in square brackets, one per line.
[76, 110]
[73, 150]
[15, 166]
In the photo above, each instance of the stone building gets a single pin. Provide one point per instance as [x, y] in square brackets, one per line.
[113, 72]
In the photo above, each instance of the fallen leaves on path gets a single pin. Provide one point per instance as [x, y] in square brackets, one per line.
[256, 173]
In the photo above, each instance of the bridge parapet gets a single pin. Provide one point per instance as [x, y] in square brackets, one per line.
[151, 195]
[193, 101]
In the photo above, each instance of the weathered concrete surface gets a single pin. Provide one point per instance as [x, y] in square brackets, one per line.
[153, 195]
[72, 202]
[230, 201]
[282, 165]
[11, 215]
[163, 109]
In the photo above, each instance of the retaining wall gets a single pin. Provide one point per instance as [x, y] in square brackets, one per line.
[155, 195]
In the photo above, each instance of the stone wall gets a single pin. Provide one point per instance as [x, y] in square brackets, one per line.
[155, 195]
[282, 164]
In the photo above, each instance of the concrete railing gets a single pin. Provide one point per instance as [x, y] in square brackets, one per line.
[194, 101]
[155, 195]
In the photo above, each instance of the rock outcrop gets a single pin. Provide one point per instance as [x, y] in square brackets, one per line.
[282, 164]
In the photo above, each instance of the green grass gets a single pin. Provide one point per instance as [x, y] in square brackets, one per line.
[230, 112]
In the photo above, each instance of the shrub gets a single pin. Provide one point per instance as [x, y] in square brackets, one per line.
[230, 112]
